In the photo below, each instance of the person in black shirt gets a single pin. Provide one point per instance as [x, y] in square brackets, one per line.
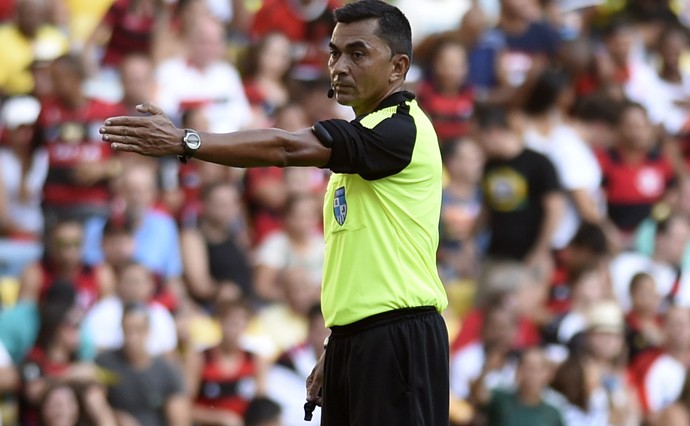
[522, 198]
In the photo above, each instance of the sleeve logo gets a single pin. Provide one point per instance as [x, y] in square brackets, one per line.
[340, 206]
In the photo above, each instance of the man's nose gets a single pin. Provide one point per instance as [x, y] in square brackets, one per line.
[339, 67]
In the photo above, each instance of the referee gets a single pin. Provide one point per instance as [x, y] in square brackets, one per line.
[386, 361]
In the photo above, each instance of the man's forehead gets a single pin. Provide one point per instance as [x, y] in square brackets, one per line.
[361, 31]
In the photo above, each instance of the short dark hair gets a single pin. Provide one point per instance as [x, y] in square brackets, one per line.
[591, 236]
[260, 410]
[488, 116]
[637, 279]
[394, 27]
[547, 88]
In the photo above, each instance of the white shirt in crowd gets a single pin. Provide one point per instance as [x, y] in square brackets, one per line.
[277, 252]
[570, 156]
[466, 366]
[286, 386]
[217, 89]
[624, 267]
[104, 323]
[662, 383]
[26, 213]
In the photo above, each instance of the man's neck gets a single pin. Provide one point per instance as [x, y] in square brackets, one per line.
[370, 106]
[529, 397]
[139, 359]
[214, 232]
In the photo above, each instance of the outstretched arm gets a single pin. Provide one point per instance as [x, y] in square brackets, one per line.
[155, 135]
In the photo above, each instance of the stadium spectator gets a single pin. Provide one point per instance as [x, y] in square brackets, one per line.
[587, 249]
[643, 321]
[265, 73]
[676, 202]
[673, 89]
[55, 357]
[636, 173]
[445, 95]
[155, 233]
[525, 404]
[286, 377]
[588, 287]
[547, 131]
[504, 56]
[143, 389]
[592, 380]
[522, 198]
[128, 27]
[489, 363]
[210, 82]
[227, 376]
[61, 405]
[134, 286]
[300, 245]
[138, 80]
[29, 36]
[80, 165]
[620, 72]
[215, 252]
[308, 25]
[659, 374]
[285, 324]
[24, 168]
[459, 249]
[263, 411]
[664, 265]
[62, 262]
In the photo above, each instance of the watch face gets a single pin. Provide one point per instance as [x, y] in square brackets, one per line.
[192, 140]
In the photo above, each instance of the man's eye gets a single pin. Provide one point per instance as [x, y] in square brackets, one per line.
[333, 53]
[358, 55]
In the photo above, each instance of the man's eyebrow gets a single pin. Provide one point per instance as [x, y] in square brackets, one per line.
[350, 46]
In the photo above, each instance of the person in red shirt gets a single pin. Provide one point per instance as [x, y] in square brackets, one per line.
[63, 262]
[307, 23]
[80, 164]
[445, 96]
[227, 376]
[128, 26]
[635, 171]
[55, 358]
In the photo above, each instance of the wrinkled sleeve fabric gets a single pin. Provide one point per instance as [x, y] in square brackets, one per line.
[374, 153]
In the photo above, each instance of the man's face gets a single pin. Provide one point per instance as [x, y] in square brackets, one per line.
[360, 65]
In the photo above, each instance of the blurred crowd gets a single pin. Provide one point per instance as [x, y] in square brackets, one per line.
[138, 291]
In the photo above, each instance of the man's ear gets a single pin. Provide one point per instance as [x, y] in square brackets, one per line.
[401, 64]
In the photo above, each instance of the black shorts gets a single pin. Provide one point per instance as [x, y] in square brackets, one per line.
[390, 369]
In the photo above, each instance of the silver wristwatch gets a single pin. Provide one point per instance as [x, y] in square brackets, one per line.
[191, 142]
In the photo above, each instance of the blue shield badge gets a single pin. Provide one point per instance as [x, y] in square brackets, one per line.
[340, 205]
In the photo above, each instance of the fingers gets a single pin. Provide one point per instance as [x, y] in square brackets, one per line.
[126, 148]
[149, 108]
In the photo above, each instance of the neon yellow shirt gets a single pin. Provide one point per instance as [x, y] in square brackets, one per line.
[381, 214]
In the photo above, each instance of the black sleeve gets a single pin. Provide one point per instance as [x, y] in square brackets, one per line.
[372, 153]
[548, 177]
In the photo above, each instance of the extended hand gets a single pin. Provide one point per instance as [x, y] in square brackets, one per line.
[153, 135]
